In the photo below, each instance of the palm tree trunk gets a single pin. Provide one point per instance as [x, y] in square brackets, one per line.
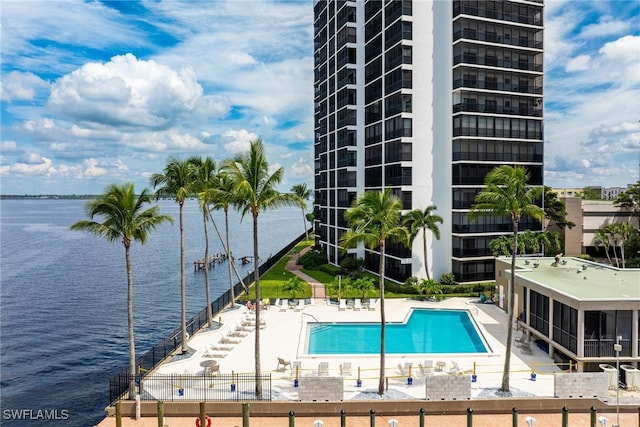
[424, 250]
[206, 268]
[229, 260]
[510, 311]
[183, 286]
[132, 347]
[256, 276]
[304, 224]
[382, 321]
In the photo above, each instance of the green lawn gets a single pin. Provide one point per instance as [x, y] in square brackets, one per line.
[272, 281]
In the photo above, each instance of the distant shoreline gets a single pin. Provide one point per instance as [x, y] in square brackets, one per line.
[46, 196]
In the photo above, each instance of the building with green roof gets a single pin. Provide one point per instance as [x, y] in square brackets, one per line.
[575, 308]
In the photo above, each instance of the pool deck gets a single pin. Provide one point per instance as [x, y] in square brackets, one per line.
[283, 336]
[283, 332]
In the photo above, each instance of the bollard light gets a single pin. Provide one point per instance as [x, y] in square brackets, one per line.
[393, 423]
[318, 423]
[530, 421]
[603, 421]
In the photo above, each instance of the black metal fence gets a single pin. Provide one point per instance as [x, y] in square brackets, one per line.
[119, 384]
[203, 387]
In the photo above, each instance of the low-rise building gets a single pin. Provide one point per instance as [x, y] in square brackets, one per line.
[576, 309]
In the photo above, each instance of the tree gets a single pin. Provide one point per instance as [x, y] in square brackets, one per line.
[125, 221]
[223, 198]
[205, 180]
[507, 194]
[601, 239]
[256, 190]
[429, 287]
[363, 286]
[622, 233]
[419, 220]
[293, 286]
[630, 199]
[373, 218]
[591, 193]
[177, 181]
[555, 210]
[302, 194]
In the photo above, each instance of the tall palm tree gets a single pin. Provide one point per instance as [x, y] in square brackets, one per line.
[422, 220]
[177, 181]
[223, 197]
[256, 190]
[507, 194]
[302, 194]
[205, 180]
[124, 220]
[373, 218]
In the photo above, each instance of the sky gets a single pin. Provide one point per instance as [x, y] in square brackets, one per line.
[101, 92]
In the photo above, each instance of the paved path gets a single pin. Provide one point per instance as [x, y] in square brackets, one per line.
[317, 289]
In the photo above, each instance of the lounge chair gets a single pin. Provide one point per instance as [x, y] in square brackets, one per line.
[357, 304]
[300, 305]
[455, 369]
[426, 368]
[220, 347]
[345, 369]
[283, 363]
[323, 369]
[372, 304]
[405, 371]
[343, 305]
[284, 305]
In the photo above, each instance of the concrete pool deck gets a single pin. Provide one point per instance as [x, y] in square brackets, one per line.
[282, 335]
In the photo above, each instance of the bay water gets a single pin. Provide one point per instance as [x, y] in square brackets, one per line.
[63, 319]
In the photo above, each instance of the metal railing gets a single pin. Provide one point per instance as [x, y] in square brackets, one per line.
[203, 387]
[119, 384]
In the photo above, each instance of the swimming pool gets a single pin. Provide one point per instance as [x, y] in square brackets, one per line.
[425, 331]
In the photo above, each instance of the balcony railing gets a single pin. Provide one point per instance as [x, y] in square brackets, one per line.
[604, 348]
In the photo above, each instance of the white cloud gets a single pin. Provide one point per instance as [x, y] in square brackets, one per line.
[21, 86]
[579, 63]
[126, 92]
[238, 141]
[606, 26]
[8, 146]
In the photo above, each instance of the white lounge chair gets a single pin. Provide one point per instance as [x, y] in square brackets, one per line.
[345, 369]
[284, 305]
[323, 369]
[357, 304]
[343, 305]
[300, 305]
[405, 371]
[372, 304]
[426, 368]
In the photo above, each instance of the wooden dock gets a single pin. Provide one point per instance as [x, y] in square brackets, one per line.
[217, 258]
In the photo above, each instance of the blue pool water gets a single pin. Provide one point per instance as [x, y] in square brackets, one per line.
[426, 331]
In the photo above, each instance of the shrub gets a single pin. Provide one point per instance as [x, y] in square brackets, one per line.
[447, 279]
[331, 270]
[312, 259]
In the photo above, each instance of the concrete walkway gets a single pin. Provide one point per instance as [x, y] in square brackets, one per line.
[317, 289]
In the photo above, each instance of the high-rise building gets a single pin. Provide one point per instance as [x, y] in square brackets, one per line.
[425, 98]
